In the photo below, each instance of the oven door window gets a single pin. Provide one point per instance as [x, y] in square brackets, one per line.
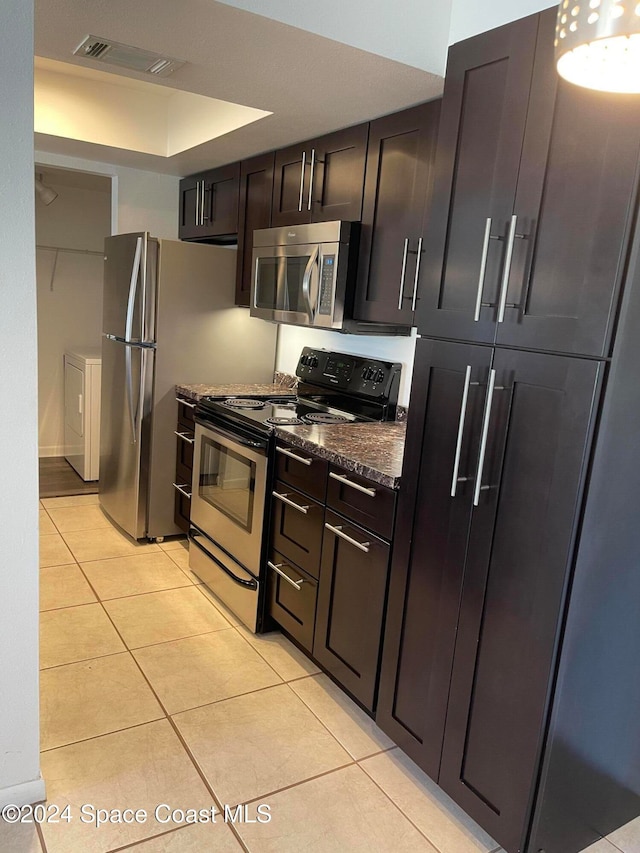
[227, 482]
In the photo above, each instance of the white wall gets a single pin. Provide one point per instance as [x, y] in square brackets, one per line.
[69, 295]
[20, 780]
[469, 17]
[141, 201]
[291, 339]
[410, 31]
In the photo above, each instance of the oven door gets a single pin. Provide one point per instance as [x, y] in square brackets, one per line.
[229, 492]
[295, 284]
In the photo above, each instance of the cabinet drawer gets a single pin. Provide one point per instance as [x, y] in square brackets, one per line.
[182, 504]
[302, 470]
[184, 446]
[361, 500]
[186, 408]
[296, 527]
[292, 599]
[351, 604]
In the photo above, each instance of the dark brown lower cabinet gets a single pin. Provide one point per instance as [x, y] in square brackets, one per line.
[292, 599]
[351, 605]
[494, 471]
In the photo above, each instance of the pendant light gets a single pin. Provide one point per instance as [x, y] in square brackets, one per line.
[598, 44]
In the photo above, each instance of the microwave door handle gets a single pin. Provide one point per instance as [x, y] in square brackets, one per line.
[282, 291]
[306, 282]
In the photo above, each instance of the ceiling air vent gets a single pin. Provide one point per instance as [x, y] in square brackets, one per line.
[126, 56]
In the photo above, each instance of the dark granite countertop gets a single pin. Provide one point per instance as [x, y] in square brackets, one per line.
[373, 450]
[197, 392]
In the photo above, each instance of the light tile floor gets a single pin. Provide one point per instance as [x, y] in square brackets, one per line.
[152, 694]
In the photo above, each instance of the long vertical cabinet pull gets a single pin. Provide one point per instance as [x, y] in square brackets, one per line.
[197, 205]
[485, 433]
[507, 268]
[463, 413]
[417, 275]
[403, 271]
[483, 268]
[311, 171]
[202, 197]
[300, 197]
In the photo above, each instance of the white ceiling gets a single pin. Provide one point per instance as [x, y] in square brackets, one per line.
[310, 83]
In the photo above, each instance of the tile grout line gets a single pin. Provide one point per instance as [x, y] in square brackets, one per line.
[190, 756]
[406, 816]
[135, 844]
[263, 797]
[103, 734]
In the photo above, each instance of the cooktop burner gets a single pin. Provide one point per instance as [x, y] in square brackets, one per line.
[284, 420]
[325, 418]
[240, 403]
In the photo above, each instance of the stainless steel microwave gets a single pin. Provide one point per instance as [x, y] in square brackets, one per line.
[305, 274]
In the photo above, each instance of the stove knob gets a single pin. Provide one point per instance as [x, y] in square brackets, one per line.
[380, 376]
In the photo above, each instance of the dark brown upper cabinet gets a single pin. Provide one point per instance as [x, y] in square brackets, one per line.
[322, 179]
[534, 182]
[256, 190]
[209, 205]
[400, 160]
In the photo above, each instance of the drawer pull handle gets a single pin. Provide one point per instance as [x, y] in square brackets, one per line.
[285, 499]
[363, 546]
[182, 489]
[295, 456]
[184, 436]
[357, 486]
[186, 403]
[276, 568]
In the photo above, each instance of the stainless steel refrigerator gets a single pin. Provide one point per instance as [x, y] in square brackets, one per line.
[168, 318]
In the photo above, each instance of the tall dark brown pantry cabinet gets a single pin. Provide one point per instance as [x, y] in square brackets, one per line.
[499, 573]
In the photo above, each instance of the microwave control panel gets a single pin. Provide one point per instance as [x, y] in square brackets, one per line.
[327, 276]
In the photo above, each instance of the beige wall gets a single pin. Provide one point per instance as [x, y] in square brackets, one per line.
[20, 780]
[69, 295]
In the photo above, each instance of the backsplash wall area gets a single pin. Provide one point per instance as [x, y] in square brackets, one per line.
[291, 339]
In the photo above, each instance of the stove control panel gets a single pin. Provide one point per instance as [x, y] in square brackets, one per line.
[352, 374]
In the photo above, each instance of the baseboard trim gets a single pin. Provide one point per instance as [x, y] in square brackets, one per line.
[23, 794]
[47, 452]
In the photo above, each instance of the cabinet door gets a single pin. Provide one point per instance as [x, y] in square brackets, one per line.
[221, 191]
[189, 216]
[350, 609]
[482, 126]
[576, 190]
[443, 434]
[291, 186]
[256, 190]
[296, 527]
[399, 169]
[516, 573]
[337, 174]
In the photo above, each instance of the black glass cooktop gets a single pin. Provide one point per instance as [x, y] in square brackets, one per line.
[279, 411]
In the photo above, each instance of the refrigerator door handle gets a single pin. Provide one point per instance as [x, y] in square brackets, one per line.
[133, 289]
[129, 386]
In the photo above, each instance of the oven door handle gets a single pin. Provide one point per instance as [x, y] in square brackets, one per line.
[252, 584]
[245, 442]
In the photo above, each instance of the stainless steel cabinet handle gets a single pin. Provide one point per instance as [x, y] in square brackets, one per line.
[507, 268]
[313, 165]
[483, 268]
[202, 194]
[485, 432]
[363, 489]
[417, 276]
[295, 456]
[403, 271]
[276, 568]
[363, 546]
[182, 489]
[304, 160]
[285, 499]
[186, 403]
[184, 436]
[463, 413]
[197, 205]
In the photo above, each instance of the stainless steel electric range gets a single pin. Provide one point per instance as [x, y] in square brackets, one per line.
[233, 463]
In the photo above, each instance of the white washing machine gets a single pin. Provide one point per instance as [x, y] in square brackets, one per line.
[82, 375]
